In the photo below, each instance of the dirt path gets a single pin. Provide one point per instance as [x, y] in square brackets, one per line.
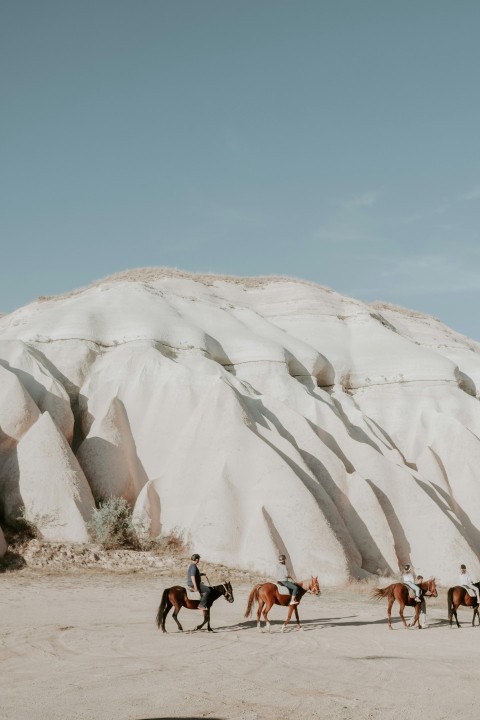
[85, 647]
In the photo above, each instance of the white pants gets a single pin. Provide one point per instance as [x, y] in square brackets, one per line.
[414, 587]
[475, 589]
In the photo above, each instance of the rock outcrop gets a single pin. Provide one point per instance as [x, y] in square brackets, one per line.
[250, 415]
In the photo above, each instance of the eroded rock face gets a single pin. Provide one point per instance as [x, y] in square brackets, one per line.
[251, 416]
[3, 544]
[42, 480]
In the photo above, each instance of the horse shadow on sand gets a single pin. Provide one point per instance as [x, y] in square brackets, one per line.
[325, 622]
[314, 624]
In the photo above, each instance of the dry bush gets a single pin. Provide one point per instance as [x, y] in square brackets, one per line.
[111, 524]
[173, 543]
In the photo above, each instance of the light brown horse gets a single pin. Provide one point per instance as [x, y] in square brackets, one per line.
[400, 592]
[267, 595]
[459, 596]
[177, 598]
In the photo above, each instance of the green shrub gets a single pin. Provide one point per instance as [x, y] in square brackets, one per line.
[111, 524]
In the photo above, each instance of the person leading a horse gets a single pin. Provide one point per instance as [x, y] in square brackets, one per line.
[194, 582]
[284, 578]
[409, 580]
[466, 581]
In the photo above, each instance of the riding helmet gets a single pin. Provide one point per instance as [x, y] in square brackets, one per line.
[463, 567]
[195, 556]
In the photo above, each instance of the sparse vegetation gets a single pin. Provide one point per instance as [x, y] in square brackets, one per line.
[29, 525]
[111, 524]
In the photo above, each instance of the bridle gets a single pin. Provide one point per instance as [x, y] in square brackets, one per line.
[228, 595]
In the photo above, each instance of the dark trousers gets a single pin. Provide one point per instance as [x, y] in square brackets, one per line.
[205, 592]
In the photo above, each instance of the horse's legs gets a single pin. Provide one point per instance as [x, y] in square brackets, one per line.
[391, 600]
[454, 614]
[168, 607]
[290, 611]
[175, 616]
[259, 614]
[268, 607]
[295, 610]
[402, 606]
[206, 619]
[417, 616]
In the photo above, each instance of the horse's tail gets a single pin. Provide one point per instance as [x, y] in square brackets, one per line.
[380, 593]
[450, 600]
[161, 607]
[252, 598]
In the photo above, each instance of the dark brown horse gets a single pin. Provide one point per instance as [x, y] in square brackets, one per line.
[459, 596]
[177, 598]
[400, 592]
[267, 595]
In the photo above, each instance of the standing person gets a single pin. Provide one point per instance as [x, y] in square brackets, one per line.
[409, 579]
[423, 606]
[467, 581]
[284, 578]
[194, 582]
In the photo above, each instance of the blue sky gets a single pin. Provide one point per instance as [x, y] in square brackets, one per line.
[332, 140]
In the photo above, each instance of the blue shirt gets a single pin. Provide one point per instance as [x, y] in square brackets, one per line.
[193, 572]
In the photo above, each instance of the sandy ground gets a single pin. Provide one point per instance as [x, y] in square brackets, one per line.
[84, 646]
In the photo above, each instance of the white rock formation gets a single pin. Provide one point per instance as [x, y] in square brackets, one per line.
[42, 480]
[251, 416]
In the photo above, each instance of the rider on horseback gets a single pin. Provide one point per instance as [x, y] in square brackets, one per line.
[409, 580]
[467, 582]
[194, 582]
[284, 579]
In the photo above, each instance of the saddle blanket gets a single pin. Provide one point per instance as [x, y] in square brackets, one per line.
[282, 590]
[192, 594]
[471, 592]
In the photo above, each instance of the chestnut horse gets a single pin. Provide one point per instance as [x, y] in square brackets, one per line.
[177, 598]
[459, 596]
[399, 592]
[267, 595]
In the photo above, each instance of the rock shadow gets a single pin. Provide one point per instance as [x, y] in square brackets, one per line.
[400, 541]
[329, 499]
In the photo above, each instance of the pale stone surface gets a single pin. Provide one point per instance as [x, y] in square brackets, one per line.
[18, 411]
[43, 476]
[257, 415]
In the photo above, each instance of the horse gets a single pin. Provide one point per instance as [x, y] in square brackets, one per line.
[267, 595]
[399, 592]
[177, 598]
[459, 596]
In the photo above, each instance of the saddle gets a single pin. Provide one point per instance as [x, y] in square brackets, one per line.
[469, 590]
[282, 590]
[192, 594]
